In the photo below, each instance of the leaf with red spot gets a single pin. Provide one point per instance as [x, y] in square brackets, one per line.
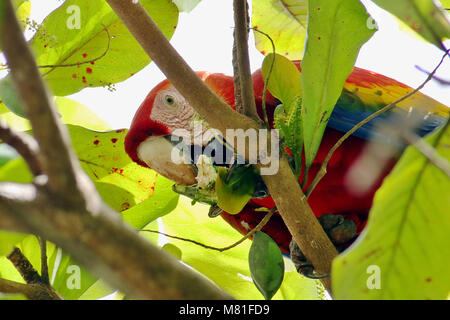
[285, 22]
[66, 38]
[121, 182]
[328, 62]
[425, 17]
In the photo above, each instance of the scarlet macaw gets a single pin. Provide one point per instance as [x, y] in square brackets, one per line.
[165, 110]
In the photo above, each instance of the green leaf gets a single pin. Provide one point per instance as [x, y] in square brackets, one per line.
[10, 97]
[336, 31]
[285, 22]
[285, 84]
[173, 250]
[12, 120]
[75, 113]
[162, 202]
[423, 16]
[404, 247]
[71, 111]
[7, 153]
[75, 34]
[228, 269]
[236, 189]
[73, 281]
[16, 171]
[96, 291]
[23, 12]
[284, 79]
[290, 129]
[121, 182]
[17, 3]
[4, 296]
[8, 240]
[266, 264]
[295, 138]
[186, 5]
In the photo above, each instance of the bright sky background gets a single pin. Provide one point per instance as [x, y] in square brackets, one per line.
[204, 38]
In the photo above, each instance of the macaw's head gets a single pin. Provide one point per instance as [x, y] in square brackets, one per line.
[166, 120]
[150, 142]
[163, 119]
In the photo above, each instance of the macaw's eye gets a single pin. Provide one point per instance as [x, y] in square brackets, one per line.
[169, 100]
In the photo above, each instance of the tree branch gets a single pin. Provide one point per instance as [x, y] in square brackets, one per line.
[241, 62]
[31, 291]
[57, 161]
[107, 246]
[25, 268]
[36, 287]
[67, 209]
[44, 264]
[187, 82]
[283, 186]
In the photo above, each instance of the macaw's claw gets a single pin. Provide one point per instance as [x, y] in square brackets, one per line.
[340, 230]
[214, 211]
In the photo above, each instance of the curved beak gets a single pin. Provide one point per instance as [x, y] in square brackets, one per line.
[161, 154]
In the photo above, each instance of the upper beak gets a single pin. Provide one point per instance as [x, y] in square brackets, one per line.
[160, 154]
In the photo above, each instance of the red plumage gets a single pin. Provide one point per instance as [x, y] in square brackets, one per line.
[331, 195]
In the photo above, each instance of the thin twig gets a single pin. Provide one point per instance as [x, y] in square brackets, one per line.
[83, 62]
[266, 80]
[31, 291]
[242, 59]
[68, 205]
[438, 79]
[24, 144]
[428, 151]
[23, 265]
[44, 265]
[260, 225]
[58, 161]
[323, 169]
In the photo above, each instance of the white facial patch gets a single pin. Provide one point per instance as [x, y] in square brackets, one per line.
[162, 156]
[172, 110]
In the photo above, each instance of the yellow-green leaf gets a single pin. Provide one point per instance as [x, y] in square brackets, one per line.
[336, 31]
[403, 252]
[285, 22]
[426, 17]
[233, 195]
[284, 78]
[77, 34]
[229, 269]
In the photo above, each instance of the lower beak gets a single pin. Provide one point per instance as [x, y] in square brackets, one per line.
[161, 154]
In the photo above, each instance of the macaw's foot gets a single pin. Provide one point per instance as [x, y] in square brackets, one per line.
[339, 229]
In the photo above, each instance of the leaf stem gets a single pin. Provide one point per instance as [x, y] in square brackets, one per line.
[260, 225]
